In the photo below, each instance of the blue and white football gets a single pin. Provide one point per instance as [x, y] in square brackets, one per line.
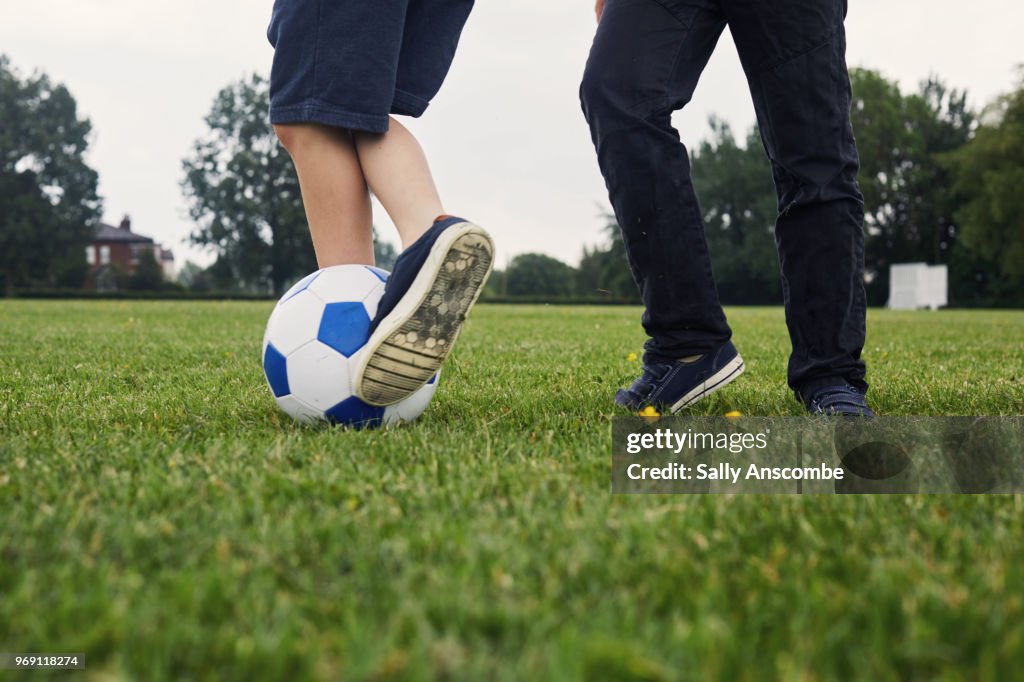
[312, 342]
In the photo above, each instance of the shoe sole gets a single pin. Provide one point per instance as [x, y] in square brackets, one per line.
[718, 380]
[412, 342]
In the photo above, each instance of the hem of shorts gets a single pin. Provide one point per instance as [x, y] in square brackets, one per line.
[408, 104]
[314, 112]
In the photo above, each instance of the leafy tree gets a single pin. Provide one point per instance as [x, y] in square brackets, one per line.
[735, 187]
[148, 275]
[534, 274]
[192, 277]
[113, 278]
[495, 286]
[48, 201]
[988, 178]
[739, 204]
[244, 194]
[605, 271]
[950, 125]
[909, 208]
[220, 276]
[384, 254]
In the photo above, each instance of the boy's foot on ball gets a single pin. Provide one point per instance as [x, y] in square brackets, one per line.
[669, 387]
[431, 289]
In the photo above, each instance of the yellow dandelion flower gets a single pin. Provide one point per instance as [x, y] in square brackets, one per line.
[631, 357]
[733, 414]
[649, 412]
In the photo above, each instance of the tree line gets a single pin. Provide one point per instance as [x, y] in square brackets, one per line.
[940, 182]
[49, 205]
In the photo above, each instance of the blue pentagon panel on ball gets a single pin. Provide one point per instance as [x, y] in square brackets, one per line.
[275, 367]
[345, 327]
[354, 412]
[300, 286]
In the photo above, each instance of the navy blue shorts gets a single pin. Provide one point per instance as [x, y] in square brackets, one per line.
[351, 63]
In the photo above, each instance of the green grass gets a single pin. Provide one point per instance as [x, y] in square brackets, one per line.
[159, 514]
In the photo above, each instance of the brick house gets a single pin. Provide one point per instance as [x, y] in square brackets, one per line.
[119, 246]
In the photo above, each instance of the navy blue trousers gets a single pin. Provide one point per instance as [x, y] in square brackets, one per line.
[645, 63]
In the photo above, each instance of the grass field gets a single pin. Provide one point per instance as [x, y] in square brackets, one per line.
[160, 515]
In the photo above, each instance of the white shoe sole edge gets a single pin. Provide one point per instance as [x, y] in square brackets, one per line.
[413, 341]
[719, 379]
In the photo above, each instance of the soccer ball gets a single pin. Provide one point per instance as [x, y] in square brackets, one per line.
[312, 343]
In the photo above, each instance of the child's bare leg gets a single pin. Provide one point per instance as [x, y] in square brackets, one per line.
[435, 281]
[397, 171]
[334, 192]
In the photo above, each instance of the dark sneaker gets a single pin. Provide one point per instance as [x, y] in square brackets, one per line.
[672, 386]
[842, 400]
[431, 289]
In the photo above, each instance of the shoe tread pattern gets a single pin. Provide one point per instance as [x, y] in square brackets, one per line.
[413, 353]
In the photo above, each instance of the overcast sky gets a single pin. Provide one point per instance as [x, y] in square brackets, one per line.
[506, 138]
